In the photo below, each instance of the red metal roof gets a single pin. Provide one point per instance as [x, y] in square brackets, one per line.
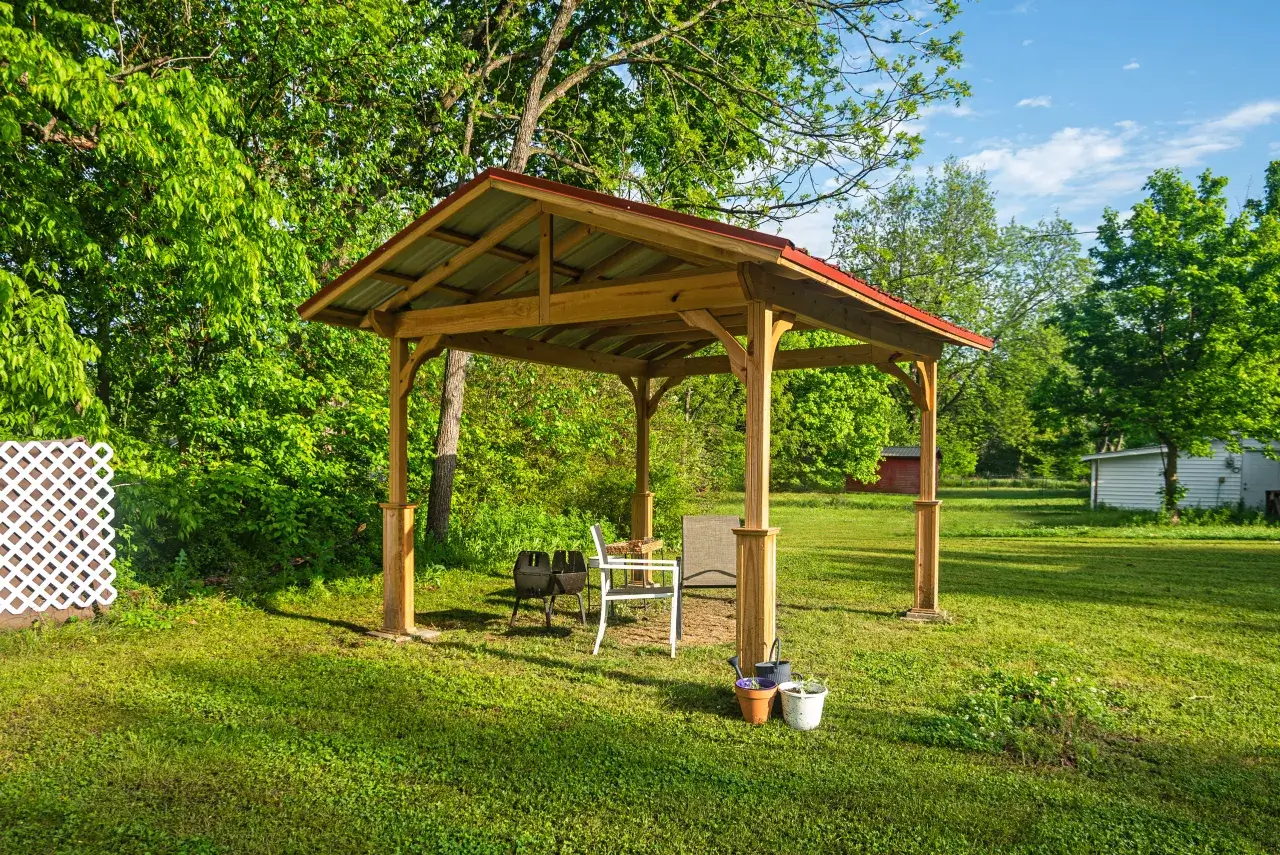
[787, 250]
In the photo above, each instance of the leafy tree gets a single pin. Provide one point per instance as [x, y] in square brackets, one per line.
[121, 188]
[828, 423]
[936, 242]
[1177, 339]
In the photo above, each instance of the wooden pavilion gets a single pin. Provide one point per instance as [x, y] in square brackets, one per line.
[524, 268]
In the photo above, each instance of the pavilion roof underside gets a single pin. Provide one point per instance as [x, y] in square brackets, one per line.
[480, 249]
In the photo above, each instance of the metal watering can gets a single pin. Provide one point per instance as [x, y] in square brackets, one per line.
[776, 668]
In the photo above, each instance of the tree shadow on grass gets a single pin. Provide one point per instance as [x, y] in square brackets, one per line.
[349, 754]
[685, 695]
[1133, 574]
[327, 621]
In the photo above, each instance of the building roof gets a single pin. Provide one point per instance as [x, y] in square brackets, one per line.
[480, 246]
[1247, 444]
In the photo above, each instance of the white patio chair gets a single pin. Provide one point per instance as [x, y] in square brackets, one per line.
[632, 589]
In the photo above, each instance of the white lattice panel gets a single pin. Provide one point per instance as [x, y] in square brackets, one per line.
[55, 526]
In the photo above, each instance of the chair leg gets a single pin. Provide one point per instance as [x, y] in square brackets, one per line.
[582, 611]
[511, 623]
[604, 614]
[674, 617]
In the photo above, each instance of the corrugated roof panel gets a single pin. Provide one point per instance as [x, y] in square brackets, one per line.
[594, 249]
[421, 256]
[638, 264]
[480, 272]
[366, 295]
[486, 212]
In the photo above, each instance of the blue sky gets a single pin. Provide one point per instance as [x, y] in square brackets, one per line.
[1075, 102]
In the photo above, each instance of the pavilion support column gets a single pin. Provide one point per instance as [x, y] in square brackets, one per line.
[642, 498]
[757, 542]
[928, 508]
[397, 511]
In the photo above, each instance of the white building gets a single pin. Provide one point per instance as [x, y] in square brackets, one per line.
[1133, 478]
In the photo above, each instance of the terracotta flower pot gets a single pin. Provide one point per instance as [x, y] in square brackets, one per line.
[755, 702]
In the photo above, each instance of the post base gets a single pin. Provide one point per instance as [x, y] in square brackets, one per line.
[411, 634]
[757, 595]
[927, 616]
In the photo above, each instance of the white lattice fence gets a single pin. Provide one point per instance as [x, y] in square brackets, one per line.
[55, 526]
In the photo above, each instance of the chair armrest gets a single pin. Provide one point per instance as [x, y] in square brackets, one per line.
[644, 563]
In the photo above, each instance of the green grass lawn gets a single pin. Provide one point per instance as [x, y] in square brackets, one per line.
[282, 729]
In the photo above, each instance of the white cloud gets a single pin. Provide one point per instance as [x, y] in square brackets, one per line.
[1246, 117]
[1085, 168]
[1131, 65]
[956, 110]
[1047, 168]
[1028, 42]
[1037, 101]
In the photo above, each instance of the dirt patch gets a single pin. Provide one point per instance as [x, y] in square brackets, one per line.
[709, 618]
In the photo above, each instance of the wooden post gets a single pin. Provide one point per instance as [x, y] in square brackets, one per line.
[928, 508]
[546, 260]
[397, 512]
[642, 498]
[757, 542]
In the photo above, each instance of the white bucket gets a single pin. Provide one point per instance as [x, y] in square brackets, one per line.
[802, 712]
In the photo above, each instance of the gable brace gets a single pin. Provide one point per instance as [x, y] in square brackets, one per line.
[737, 354]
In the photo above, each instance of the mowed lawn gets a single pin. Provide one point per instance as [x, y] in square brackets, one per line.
[280, 728]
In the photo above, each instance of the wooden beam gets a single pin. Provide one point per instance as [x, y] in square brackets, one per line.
[389, 250]
[382, 323]
[545, 256]
[927, 374]
[736, 353]
[531, 263]
[831, 311]
[782, 321]
[928, 508]
[455, 262]
[426, 348]
[526, 350]
[914, 389]
[397, 517]
[666, 386]
[666, 236]
[621, 299]
[600, 268]
[339, 318]
[866, 302]
[783, 360]
[757, 581]
[408, 281]
[718, 272]
[499, 251]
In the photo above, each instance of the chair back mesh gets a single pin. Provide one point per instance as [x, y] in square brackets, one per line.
[710, 553]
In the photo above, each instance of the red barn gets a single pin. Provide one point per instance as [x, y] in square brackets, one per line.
[898, 472]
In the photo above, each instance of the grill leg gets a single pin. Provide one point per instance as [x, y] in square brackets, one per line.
[582, 612]
[511, 623]
[548, 604]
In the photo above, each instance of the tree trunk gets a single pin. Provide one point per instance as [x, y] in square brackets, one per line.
[1171, 483]
[440, 499]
